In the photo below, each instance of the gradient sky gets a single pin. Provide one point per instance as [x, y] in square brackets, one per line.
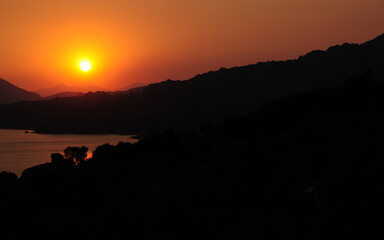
[42, 41]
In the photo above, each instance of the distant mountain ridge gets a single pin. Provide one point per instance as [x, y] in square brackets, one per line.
[9, 93]
[135, 85]
[207, 99]
[64, 95]
[63, 88]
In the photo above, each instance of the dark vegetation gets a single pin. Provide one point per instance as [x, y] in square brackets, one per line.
[206, 99]
[303, 167]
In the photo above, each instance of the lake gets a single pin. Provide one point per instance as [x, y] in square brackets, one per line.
[20, 150]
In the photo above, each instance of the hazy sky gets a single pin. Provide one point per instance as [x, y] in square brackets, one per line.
[42, 41]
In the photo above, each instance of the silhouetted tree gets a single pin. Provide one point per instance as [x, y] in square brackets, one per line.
[76, 154]
[104, 151]
[58, 159]
[7, 178]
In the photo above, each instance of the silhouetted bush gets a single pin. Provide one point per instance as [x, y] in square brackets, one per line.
[105, 151]
[76, 154]
[7, 178]
[59, 159]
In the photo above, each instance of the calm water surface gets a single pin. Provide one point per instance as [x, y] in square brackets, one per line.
[19, 150]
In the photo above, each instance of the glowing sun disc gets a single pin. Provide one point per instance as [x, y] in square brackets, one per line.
[85, 66]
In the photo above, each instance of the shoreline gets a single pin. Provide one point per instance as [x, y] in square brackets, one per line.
[40, 146]
[32, 131]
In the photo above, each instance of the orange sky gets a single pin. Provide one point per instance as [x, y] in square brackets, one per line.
[128, 41]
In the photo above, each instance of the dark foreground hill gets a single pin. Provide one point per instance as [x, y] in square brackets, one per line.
[11, 94]
[203, 100]
[303, 167]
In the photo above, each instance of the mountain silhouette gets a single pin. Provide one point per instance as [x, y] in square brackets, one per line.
[10, 93]
[135, 85]
[308, 166]
[64, 94]
[207, 99]
[64, 88]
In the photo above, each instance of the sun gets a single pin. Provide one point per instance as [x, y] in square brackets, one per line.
[85, 66]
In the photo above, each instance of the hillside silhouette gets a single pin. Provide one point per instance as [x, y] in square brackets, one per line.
[80, 94]
[64, 95]
[303, 167]
[207, 99]
[131, 86]
[10, 93]
[60, 89]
